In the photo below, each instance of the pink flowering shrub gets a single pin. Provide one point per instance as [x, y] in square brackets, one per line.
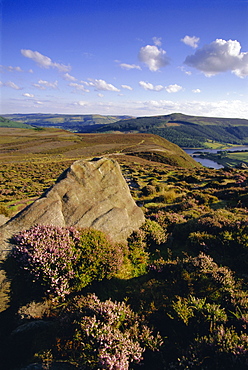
[106, 335]
[65, 259]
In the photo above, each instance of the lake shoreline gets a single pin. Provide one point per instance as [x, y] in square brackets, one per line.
[218, 158]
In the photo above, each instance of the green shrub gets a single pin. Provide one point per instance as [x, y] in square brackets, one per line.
[64, 260]
[154, 234]
[168, 196]
[138, 253]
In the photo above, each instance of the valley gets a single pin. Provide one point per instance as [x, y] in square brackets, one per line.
[177, 287]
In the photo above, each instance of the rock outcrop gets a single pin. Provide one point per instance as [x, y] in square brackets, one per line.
[90, 193]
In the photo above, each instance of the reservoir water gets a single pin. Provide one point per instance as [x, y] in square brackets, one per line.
[207, 162]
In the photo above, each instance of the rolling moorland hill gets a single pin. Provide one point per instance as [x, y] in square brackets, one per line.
[72, 122]
[183, 130]
[18, 143]
[54, 150]
[175, 295]
[186, 131]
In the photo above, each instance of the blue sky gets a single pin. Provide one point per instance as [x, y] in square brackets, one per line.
[133, 57]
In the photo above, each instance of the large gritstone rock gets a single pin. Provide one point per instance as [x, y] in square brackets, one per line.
[90, 193]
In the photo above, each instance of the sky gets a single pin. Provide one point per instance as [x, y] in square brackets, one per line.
[133, 57]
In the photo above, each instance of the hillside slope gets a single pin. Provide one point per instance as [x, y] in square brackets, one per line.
[18, 144]
[73, 122]
[5, 122]
[187, 131]
[183, 130]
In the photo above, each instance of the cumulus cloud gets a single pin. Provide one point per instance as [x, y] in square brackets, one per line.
[221, 108]
[157, 41]
[150, 86]
[10, 84]
[44, 61]
[102, 85]
[43, 85]
[127, 87]
[78, 87]
[220, 56]
[154, 57]
[27, 95]
[191, 41]
[173, 88]
[129, 66]
[68, 77]
[196, 91]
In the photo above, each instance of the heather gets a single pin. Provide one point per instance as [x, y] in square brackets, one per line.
[173, 297]
[64, 260]
[103, 335]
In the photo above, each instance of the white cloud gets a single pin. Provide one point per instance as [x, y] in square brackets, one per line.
[11, 69]
[191, 41]
[102, 85]
[218, 108]
[78, 87]
[150, 86]
[39, 102]
[153, 57]
[182, 68]
[129, 66]
[127, 87]
[68, 77]
[86, 83]
[44, 61]
[11, 84]
[157, 41]
[43, 85]
[100, 95]
[39, 86]
[27, 95]
[14, 69]
[220, 56]
[173, 88]
[196, 91]
[221, 108]
[82, 103]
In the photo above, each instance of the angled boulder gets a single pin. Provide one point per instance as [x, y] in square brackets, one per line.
[90, 193]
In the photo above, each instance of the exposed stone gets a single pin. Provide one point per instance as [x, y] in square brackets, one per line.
[90, 193]
[242, 166]
[3, 219]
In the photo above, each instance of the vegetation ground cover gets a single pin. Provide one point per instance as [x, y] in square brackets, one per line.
[182, 275]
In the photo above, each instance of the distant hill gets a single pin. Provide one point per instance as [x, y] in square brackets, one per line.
[186, 131]
[52, 142]
[183, 130]
[72, 122]
[4, 122]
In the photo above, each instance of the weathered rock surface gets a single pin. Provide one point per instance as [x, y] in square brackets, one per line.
[90, 193]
